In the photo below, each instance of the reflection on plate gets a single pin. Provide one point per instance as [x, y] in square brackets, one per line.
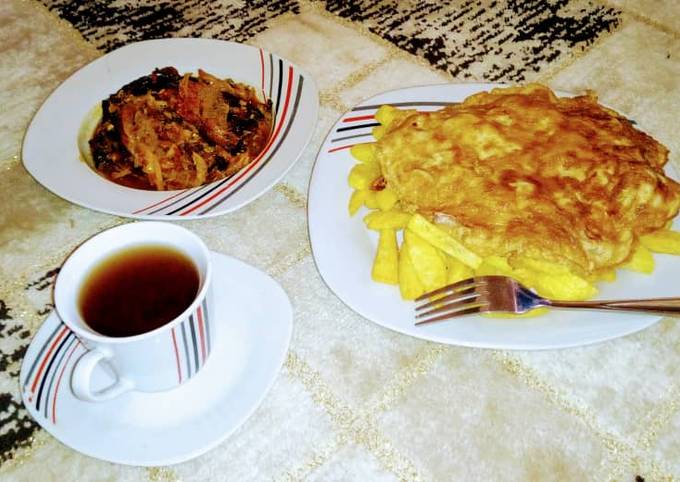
[343, 250]
[168, 427]
[51, 154]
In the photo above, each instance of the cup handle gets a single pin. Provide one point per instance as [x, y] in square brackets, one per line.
[82, 373]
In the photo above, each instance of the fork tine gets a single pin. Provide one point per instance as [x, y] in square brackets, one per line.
[447, 288]
[451, 306]
[459, 295]
[454, 314]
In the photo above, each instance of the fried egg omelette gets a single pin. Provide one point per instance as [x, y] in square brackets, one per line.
[519, 171]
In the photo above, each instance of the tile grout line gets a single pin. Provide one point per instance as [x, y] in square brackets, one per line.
[312, 462]
[272, 23]
[333, 101]
[292, 195]
[357, 76]
[162, 474]
[611, 442]
[660, 418]
[279, 268]
[353, 425]
[639, 16]
[419, 367]
[41, 9]
[394, 51]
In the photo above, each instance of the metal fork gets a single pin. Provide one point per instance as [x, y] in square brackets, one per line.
[491, 294]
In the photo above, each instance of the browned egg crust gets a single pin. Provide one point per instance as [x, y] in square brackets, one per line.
[520, 171]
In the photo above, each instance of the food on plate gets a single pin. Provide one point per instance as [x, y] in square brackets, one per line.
[169, 131]
[555, 192]
[385, 266]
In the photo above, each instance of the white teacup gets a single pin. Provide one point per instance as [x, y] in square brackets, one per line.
[157, 360]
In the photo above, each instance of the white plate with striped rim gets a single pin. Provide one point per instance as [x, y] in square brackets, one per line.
[343, 250]
[50, 150]
[150, 429]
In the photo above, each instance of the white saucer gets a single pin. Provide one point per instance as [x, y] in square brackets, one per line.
[254, 324]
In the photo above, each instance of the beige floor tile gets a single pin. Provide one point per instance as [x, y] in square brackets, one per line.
[637, 72]
[41, 229]
[294, 425]
[663, 12]
[328, 50]
[37, 52]
[37, 225]
[467, 419]
[620, 383]
[352, 354]
[667, 447]
[299, 176]
[264, 233]
[352, 463]
[283, 432]
[395, 74]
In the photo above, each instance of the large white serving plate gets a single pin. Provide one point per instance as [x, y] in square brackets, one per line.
[50, 149]
[344, 249]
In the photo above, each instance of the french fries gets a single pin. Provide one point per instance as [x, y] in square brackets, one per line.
[566, 286]
[428, 263]
[364, 152]
[456, 270]
[608, 275]
[551, 280]
[539, 265]
[410, 286]
[386, 263]
[363, 175]
[494, 265]
[357, 200]
[386, 199]
[385, 114]
[371, 201]
[442, 240]
[662, 241]
[378, 220]
[378, 131]
[642, 260]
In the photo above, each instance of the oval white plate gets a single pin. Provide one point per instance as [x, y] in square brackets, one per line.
[344, 249]
[50, 150]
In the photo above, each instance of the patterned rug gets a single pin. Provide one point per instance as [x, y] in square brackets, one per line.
[492, 40]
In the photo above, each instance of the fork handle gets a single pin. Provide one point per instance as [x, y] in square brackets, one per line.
[661, 306]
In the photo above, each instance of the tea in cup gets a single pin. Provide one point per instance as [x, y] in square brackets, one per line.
[139, 298]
